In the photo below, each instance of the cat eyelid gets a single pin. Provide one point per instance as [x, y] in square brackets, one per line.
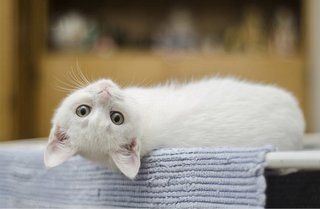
[112, 109]
[83, 103]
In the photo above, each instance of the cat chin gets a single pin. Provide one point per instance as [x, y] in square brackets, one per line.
[100, 159]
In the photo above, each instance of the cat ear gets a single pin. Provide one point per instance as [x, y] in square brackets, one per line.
[127, 159]
[58, 149]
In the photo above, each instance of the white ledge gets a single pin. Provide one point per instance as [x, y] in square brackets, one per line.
[309, 160]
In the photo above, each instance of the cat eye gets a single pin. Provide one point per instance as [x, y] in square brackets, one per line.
[116, 117]
[83, 110]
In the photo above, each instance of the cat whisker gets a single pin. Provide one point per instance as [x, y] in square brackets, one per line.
[78, 78]
[63, 89]
[81, 74]
[65, 86]
[75, 79]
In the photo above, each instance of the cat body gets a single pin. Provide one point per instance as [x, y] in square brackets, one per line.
[213, 112]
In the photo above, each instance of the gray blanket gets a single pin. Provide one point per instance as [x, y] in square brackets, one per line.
[188, 178]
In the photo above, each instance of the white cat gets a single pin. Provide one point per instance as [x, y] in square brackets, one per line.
[115, 126]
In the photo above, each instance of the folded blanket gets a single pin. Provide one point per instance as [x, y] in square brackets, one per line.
[188, 178]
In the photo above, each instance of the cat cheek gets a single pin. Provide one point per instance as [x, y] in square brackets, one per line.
[85, 123]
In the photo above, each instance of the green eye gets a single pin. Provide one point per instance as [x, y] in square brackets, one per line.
[83, 110]
[116, 117]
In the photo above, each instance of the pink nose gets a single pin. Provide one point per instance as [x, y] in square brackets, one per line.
[104, 93]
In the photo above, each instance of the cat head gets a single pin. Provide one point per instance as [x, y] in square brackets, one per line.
[98, 122]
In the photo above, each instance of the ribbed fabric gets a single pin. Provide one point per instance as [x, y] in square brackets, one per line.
[176, 178]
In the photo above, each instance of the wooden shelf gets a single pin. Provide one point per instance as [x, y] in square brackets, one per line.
[140, 65]
[145, 68]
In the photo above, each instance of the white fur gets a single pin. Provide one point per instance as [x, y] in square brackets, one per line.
[212, 112]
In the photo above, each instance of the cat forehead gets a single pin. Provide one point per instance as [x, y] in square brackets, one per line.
[102, 84]
[79, 96]
[92, 92]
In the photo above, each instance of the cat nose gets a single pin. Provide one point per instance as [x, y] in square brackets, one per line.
[104, 93]
[103, 87]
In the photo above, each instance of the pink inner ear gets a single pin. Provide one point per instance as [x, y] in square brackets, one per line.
[127, 159]
[58, 149]
[132, 146]
[60, 135]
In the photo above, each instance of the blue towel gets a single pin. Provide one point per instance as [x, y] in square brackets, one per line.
[176, 178]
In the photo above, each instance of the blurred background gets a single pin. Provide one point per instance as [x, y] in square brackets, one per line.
[148, 42]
